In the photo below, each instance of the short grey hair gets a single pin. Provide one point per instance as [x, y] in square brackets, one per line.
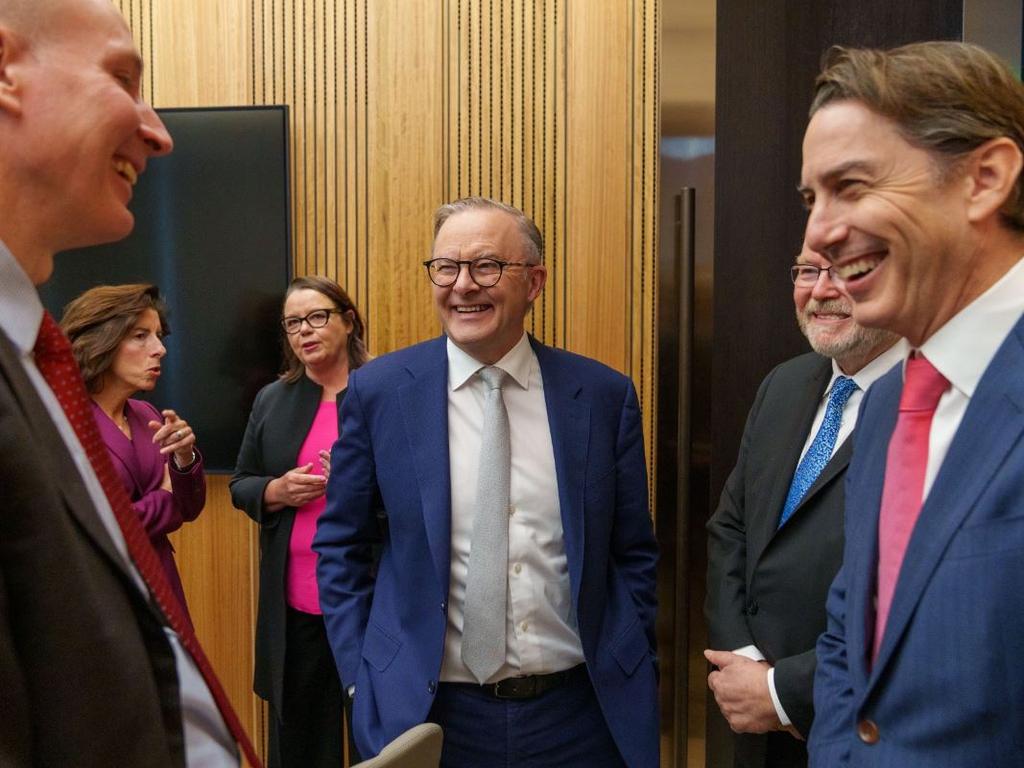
[532, 238]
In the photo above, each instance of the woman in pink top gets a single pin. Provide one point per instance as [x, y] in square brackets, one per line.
[279, 482]
[116, 333]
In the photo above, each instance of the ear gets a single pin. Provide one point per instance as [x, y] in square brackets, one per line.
[10, 91]
[538, 277]
[993, 169]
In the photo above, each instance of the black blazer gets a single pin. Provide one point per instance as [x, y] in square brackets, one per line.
[282, 415]
[767, 587]
[87, 676]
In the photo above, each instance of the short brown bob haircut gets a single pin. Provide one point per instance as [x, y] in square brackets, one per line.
[357, 352]
[947, 98]
[99, 320]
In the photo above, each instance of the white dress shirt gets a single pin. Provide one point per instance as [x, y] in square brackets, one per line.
[961, 350]
[208, 744]
[541, 631]
[864, 378]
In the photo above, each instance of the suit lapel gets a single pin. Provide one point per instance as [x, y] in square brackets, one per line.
[991, 427]
[65, 474]
[424, 403]
[792, 428]
[569, 422]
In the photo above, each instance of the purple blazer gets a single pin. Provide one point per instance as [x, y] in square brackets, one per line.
[141, 468]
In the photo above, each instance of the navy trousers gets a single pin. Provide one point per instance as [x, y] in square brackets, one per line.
[561, 728]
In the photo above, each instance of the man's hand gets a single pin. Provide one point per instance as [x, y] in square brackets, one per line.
[740, 686]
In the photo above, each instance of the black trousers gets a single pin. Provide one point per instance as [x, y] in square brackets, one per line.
[306, 731]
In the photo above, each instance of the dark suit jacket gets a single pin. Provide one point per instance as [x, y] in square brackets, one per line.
[947, 688]
[767, 586]
[87, 676]
[388, 633]
[282, 415]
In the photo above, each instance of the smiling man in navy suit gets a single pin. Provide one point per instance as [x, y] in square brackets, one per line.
[515, 599]
[912, 178]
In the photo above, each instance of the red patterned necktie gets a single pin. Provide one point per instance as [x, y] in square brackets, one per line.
[905, 466]
[57, 364]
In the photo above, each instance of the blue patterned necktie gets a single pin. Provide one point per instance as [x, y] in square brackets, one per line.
[820, 452]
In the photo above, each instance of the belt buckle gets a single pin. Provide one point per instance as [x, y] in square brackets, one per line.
[515, 688]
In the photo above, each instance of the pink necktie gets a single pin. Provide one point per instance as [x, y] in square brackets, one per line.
[905, 466]
[57, 364]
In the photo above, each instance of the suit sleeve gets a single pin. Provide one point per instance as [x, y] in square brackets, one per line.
[347, 531]
[251, 478]
[725, 605]
[794, 684]
[828, 742]
[634, 548]
[163, 512]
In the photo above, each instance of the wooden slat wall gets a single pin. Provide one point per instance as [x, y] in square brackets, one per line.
[396, 107]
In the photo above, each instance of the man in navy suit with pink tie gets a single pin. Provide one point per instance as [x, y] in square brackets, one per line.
[912, 179]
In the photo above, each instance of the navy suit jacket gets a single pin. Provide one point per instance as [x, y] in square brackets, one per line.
[947, 688]
[388, 635]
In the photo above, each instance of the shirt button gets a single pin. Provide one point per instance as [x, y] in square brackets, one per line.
[431, 687]
[517, 568]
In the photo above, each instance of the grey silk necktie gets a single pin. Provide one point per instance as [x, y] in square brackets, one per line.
[483, 630]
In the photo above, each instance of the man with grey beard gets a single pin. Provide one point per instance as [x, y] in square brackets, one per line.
[776, 540]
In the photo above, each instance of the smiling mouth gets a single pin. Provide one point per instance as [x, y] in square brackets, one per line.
[471, 309]
[858, 268]
[126, 171]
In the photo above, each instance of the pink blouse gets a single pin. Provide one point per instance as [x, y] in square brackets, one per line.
[300, 579]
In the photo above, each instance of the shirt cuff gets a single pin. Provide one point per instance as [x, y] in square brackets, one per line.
[783, 718]
[751, 652]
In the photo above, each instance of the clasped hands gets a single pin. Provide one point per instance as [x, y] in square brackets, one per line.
[174, 435]
[741, 690]
[298, 486]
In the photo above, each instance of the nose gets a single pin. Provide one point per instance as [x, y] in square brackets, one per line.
[824, 287]
[465, 283]
[160, 350]
[824, 230]
[153, 132]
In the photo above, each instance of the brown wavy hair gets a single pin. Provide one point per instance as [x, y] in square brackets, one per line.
[946, 98]
[357, 351]
[99, 320]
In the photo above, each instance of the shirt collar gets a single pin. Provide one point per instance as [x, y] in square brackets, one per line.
[962, 349]
[516, 363]
[22, 311]
[874, 370]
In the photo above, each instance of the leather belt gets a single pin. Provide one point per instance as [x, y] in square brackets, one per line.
[530, 686]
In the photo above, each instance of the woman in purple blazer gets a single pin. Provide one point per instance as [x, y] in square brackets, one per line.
[116, 333]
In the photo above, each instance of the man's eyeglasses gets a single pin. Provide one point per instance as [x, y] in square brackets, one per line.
[484, 271]
[318, 318]
[806, 275]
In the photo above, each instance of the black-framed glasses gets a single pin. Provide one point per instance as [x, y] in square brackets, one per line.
[484, 270]
[806, 275]
[318, 318]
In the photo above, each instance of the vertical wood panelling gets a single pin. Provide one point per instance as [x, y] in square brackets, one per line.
[397, 106]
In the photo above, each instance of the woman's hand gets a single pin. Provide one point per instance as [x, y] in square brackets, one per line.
[294, 488]
[175, 436]
[325, 463]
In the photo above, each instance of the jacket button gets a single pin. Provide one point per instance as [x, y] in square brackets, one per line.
[752, 608]
[444, 606]
[867, 731]
[431, 687]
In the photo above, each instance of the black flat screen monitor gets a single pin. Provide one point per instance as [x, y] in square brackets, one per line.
[212, 230]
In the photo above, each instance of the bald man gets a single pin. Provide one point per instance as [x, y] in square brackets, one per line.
[90, 672]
